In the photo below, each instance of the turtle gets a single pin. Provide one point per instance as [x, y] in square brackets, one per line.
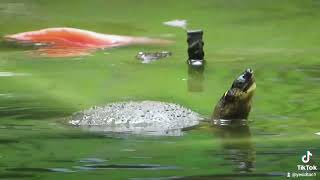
[163, 118]
[235, 104]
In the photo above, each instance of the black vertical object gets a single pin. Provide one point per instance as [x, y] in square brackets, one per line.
[195, 48]
[195, 61]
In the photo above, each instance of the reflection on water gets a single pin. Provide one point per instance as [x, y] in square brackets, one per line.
[195, 78]
[96, 166]
[236, 141]
[38, 170]
[15, 175]
[8, 141]
[37, 91]
[14, 8]
[9, 74]
[125, 166]
[235, 137]
[92, 160]
[232, 176]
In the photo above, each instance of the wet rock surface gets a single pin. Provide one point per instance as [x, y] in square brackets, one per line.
[142, 117]
[148, 57]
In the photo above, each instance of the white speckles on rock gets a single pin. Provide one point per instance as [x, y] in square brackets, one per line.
[142, 117]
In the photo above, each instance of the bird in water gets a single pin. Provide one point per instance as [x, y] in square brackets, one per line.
[64, 42]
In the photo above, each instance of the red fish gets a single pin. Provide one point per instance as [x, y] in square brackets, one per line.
[61, 42]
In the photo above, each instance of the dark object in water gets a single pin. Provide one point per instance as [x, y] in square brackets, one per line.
[195, 48]
[147, 57]
[236, 102]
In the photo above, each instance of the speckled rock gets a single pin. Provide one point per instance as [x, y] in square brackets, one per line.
[148, 57]
[142, 117]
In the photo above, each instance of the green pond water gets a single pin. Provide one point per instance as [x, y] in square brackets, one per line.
[279, 40]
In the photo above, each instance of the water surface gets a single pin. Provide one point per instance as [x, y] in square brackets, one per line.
[278, 39]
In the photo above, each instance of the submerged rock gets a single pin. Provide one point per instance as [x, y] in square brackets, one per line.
[142, 117]
[148, 57]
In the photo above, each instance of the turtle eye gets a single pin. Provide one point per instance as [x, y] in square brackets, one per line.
[239, 83]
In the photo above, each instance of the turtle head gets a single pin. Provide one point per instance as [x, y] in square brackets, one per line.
[236, 102]
[242, 88]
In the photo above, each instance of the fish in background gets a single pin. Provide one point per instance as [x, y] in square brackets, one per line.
[66, 42]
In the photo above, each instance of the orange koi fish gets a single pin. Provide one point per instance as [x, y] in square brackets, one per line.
[64, 42]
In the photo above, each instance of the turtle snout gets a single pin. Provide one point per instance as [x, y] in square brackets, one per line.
[247, 75]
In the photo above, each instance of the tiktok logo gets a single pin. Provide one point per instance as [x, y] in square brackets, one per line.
[306, 158]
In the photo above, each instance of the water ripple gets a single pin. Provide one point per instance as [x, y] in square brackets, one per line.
[125, 166]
